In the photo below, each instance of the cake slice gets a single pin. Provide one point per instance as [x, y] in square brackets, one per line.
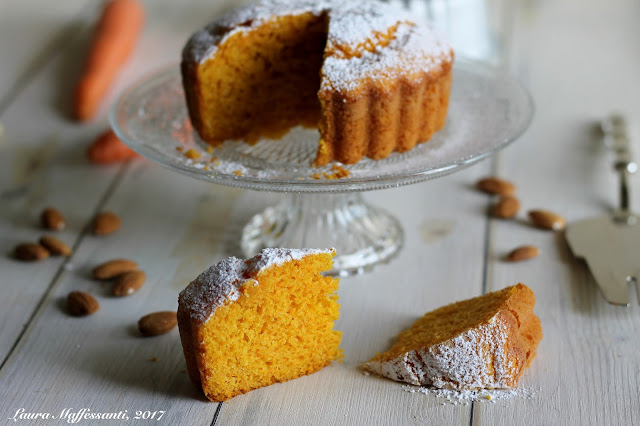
[246, 324]
[481, 343]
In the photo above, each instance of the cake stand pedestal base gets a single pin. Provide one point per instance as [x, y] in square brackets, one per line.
[362, 235]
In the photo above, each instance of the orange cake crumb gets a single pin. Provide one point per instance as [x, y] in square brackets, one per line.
[249, 324]
[339, 172]
[192, 154]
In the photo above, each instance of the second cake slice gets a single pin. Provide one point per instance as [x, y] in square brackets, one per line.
[484, 342]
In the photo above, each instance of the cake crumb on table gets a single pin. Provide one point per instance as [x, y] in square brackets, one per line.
[192, 154]
[338, 172]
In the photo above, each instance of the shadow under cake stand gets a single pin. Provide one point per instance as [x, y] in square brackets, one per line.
[487, 110]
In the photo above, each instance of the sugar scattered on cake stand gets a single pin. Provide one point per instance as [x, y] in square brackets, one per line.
[464, 397]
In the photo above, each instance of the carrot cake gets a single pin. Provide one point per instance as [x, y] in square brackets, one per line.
[481, 343]
[368, 77]
[246, 324]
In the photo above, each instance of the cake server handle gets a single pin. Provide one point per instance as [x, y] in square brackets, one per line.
[616, 137]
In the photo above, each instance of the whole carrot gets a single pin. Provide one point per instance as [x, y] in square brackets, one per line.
[108, 148]
[114, 40]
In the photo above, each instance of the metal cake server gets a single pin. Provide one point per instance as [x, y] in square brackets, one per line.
[611, 244]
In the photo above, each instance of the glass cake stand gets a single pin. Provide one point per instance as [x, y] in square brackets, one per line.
[488, 109]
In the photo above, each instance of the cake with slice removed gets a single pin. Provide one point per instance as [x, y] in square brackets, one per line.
[365, 74]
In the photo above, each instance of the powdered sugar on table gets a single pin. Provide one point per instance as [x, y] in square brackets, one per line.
[464, 397]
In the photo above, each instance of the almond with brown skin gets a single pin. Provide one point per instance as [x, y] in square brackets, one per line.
[106, 223]
[55, 246]
[523, 253]
[157, 323]
[495, 185]
[81, 304]
[547, 220]
[128, 283]
[506, 207]
[30, 252]
[52, 219]
[113, 268]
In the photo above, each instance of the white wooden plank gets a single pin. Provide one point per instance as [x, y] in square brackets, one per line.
[586, 371]
[41, 163]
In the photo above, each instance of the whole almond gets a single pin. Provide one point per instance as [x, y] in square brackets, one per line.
[128, 283]
[55, 246]
[495, 185]
[30, 252]
[113, 268]
[106, 223]
[52, 219]
[157, 323]
[523, 253]
[506, 207]
[547, 220]
[80, 304]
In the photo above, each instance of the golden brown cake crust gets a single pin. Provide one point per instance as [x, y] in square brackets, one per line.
[192, 89]
[189, 343]
[380, 121]
[384, 87]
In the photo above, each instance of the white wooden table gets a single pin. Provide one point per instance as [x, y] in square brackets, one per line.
[580, 60]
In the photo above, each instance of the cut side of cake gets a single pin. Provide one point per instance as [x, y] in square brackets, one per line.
[481, 343]
[245, 324]
[369, 78]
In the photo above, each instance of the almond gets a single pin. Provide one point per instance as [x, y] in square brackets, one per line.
[55, 246]
[128, 283]
[523, 253]
[52, 219]
[106, 223]
[157, 323]
[547, 220]
[113, 268]
[506, 207]
[81, 304]
[30, 252]
[495, 185]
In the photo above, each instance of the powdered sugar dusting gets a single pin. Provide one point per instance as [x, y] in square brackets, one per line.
[414, 48]
[221, 282]
[464, 397]
[475, 359]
